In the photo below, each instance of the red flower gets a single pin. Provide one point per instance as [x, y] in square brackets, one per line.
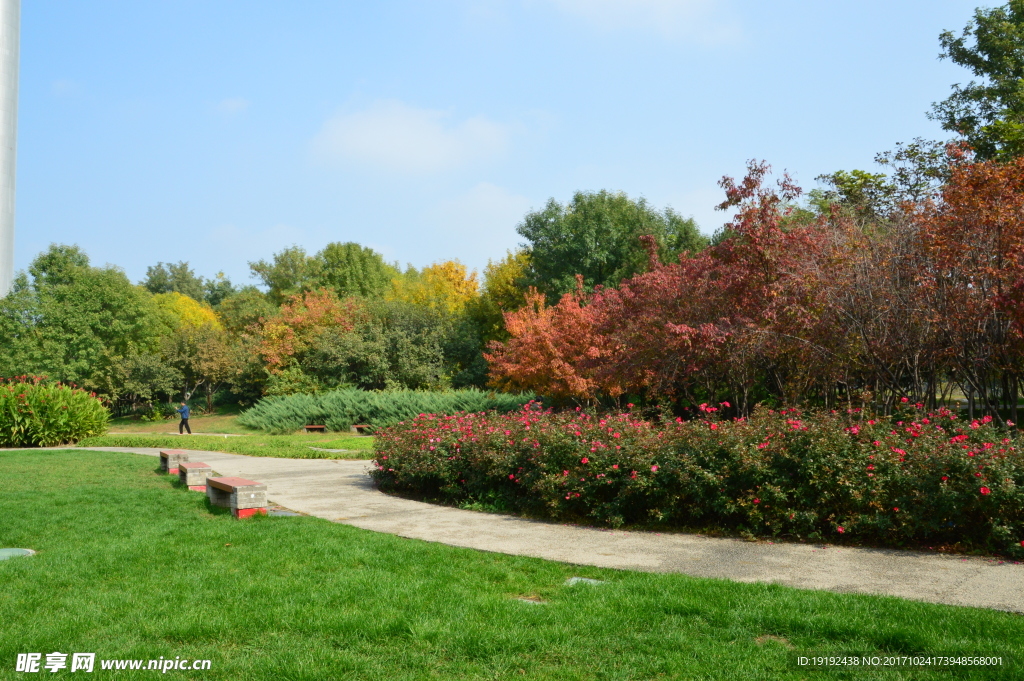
[985, 490]
[840, 529]
[584, 460]
[757, 501]
[654, 469]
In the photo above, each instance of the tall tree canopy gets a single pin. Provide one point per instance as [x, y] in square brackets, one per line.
[988, 113]
[597, 235]
[68, 318]
[353, 270]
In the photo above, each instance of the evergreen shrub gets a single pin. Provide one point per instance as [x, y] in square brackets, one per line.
[913, 479]
[36, 413]
[340, 409]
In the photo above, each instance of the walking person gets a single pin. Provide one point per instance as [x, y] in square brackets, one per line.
[184, 419]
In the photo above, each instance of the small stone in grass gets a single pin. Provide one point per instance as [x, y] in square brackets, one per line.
[582, 580]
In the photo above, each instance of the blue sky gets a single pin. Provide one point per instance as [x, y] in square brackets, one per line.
[221, 132]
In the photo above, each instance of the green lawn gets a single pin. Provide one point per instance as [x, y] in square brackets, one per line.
[131, 566]
[299, 446]
[214, 423]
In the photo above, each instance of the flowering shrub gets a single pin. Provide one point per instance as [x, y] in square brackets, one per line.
[913, 478]
[35, 413]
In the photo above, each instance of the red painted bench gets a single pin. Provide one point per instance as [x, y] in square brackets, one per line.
[171, 458]
[244, 497]
[194, 475]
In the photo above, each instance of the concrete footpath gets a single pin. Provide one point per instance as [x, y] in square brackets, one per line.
[341, 491]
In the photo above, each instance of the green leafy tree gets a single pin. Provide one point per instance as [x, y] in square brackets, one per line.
[917, 170]
[504, 290]
[347, 269]
[218, 289]
[989, 113]
[290, 272]
[244, 308]
[174, 277]
[400, 345]
[597, 235]
[353, 270]
[138, 379]
[68, 316]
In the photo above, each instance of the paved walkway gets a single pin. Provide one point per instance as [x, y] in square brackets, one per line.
[341, 491]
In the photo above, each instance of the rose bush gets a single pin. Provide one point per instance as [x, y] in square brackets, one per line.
[914, 478]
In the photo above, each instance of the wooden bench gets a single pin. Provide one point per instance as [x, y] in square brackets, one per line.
[244, 497]
[194, 475]
[316, 429]
[170, 459]
[359, 428]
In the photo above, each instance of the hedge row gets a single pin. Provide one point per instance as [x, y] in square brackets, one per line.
[340, 409]
[912, 479]
[34, 413]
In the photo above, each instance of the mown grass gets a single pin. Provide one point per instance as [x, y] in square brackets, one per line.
[285, 446]
[130, 566]
[213, 423]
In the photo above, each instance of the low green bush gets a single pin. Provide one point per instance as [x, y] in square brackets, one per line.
[917, 479]
[36, 413]
[340, 409]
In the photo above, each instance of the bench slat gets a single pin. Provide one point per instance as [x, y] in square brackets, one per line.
[232, 484]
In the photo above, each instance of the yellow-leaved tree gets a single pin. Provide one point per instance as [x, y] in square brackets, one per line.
[503, 291]
[444, 286]
[195, 344]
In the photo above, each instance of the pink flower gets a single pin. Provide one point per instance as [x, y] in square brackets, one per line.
[654, 469]
[840, 529]
[985, 490]
[584, 460]
[895, 508]
[615, 465]
[565, 473]
[757, 501]
[904, 400]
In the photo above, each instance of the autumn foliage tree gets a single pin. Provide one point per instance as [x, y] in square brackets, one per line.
[285, 336]
[554, 350]
[797, 306]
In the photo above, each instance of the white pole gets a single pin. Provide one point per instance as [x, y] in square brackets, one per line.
[10, 29]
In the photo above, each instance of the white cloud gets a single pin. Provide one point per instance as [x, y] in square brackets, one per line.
[232, 106]
[395, 136]
[700, 19]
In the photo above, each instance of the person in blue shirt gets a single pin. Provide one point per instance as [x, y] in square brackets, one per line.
[184, 419]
